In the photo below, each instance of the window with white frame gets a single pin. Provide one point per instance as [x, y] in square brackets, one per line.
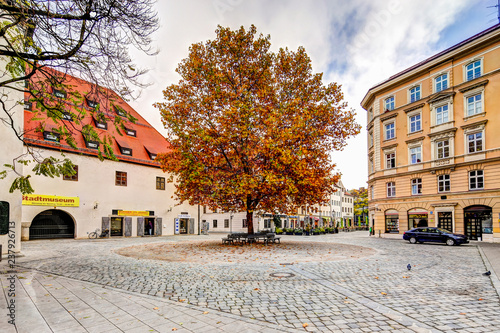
[389, 103]
[441, 82]
[442, 114]
[475, 142]
[474, 104]
[415, 155]
[391, 189]
[371, 165]
[390, 131]
[390, 160]
[415, 123]
[372, 192]
[473, 70]
[370, 139]
[476, 180]
[414, 94]
[444, 184]
[416, 186]
[370, 114]
[443, 148]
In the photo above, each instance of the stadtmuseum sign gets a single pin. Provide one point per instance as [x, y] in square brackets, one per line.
[50, 200]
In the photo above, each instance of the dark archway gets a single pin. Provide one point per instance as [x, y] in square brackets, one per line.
[52, 223]
[478, 221]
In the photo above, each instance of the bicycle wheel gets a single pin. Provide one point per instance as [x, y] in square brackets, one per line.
[93, 235]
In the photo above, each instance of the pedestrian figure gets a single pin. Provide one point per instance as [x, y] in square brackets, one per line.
[371, 230]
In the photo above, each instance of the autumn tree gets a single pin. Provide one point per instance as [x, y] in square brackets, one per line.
[42, 42]
[251, 129]
[360, 201]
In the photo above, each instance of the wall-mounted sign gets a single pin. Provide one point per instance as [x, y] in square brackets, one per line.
[50, 200]
[176, 230]
[133, 213]
[184, 216]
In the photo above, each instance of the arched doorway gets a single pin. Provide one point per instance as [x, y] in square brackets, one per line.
[478, 221]
[52, 223]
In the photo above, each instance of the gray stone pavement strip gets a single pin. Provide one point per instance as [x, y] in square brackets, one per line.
[445, 291]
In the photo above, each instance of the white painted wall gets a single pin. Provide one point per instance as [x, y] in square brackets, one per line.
[96, 185]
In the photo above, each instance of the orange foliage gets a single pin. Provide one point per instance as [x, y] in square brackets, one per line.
[252, 129]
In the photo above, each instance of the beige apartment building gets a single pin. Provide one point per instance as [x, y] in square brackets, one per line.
[434, 143]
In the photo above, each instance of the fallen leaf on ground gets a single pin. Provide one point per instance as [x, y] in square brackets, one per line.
[155, 308]
[305, 325]
[383, 293]
[205, 312]
[174, 329]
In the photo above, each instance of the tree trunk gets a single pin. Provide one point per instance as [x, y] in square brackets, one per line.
[250, 222]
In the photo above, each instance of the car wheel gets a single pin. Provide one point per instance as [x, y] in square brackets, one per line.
[413, 240]
[450, 242]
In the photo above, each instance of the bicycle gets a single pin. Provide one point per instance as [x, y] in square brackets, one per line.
[95, 234]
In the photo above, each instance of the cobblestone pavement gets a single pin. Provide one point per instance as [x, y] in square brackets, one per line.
[444, 291]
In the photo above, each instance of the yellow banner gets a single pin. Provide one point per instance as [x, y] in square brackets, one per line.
[50, 200]
[133, 213]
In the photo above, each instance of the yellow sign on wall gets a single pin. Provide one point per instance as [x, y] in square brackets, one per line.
[50, 200]
[133, 213]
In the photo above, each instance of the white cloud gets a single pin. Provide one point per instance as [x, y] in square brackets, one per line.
[356, 43]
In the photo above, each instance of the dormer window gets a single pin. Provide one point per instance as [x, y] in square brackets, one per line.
[130, 132]
[91, 144]
[59, 93]
[100, 125]
[152, 156]
[67, 116]
[126, 151]
[92, 104]
[119, 111]
[51, 136]
[28, 106]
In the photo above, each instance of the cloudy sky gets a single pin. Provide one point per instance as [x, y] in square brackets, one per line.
[356, 43]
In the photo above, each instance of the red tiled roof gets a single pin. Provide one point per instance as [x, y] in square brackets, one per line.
[146, 135]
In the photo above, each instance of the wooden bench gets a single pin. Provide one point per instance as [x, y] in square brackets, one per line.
[271, 238]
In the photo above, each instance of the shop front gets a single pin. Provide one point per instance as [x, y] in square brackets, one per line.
[391, 221]
[418, 217]
[120, 223]
[478, 222]
[184, 224]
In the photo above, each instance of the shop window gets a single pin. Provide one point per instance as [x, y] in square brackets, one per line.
[215, 223]
[74, 177]
[226, 223]
[392, 221]
[160, 184]
[4, 217]
[116, 226]
[417, 218]
[121, 178]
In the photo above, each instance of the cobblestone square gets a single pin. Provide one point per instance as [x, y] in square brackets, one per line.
[83, 285]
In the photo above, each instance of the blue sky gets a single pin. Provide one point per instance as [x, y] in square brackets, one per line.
[355, 43]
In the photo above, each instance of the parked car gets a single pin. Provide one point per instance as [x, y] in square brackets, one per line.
[436, 235]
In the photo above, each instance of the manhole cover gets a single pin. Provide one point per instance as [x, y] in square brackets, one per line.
[282, 275]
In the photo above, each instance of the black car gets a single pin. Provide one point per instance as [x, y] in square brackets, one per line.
[436, 235]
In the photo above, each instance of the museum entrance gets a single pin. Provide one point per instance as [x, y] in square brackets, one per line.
[478, 221]
[149, 226]
[52, 224]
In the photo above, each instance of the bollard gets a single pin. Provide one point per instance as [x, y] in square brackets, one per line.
[379, 234]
